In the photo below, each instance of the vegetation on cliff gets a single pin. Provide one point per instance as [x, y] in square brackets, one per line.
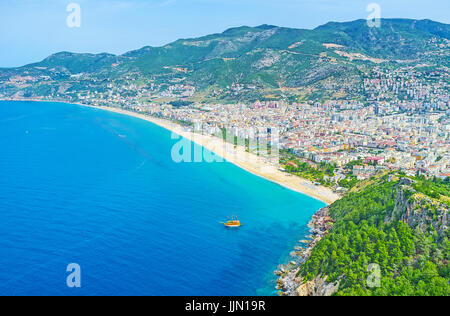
[397, 225]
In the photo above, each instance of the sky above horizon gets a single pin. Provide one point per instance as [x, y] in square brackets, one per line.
[31, 30]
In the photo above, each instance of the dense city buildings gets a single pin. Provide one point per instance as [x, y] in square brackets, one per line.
[403, 124]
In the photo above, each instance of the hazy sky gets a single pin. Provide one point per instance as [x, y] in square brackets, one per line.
[30, 30]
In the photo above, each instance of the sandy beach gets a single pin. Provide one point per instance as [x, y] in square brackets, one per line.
[238, 156]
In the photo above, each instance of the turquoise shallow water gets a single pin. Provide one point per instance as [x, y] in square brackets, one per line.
[100, 189]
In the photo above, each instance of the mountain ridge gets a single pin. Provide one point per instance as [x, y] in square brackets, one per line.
[229, 30]
[262, 58]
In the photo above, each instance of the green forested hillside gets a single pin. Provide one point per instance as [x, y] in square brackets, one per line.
[391, 224]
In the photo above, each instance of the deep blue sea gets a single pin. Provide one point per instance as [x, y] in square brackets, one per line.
[87, 186]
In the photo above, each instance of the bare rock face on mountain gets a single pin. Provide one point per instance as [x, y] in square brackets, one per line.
[418, 210]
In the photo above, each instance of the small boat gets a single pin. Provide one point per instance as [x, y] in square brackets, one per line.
[234, 222]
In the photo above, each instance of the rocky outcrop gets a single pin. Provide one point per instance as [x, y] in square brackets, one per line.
[288, 283]
[293, 285]
[418, 210]
[317, 287]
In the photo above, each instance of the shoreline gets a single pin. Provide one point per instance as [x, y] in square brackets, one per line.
[288, 283]
[236, 155]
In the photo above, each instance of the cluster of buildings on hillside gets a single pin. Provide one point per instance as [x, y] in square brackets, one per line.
[406, 89]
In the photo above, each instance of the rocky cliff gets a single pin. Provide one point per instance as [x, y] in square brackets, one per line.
[418, 210]
[385, 205]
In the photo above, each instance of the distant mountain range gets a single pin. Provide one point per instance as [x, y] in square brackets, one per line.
[262, 59]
